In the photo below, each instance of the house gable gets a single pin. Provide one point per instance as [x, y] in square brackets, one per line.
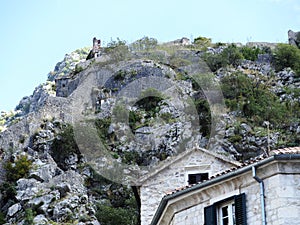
[280, 173]
[175, 173]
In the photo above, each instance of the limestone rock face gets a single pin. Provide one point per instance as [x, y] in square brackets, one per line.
[40, 219]
[60, 197]
[144, 109]
[294, 38]
[14, 209]
[27, 188]
[45, 171]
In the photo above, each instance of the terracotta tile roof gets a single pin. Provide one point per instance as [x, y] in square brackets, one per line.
[292, 150]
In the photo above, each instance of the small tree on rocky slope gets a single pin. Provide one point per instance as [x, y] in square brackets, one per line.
[286, 55]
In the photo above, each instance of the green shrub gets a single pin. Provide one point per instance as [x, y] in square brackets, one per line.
[115, 43]
[118, 205]
[149, 103]
[204, 114]
[144, 44]
[118, 50]
[107, 215]
[286, 55]
[131, 157]
[83, 52]
[219, 44]
[235, 138]
[19, 169]
[294, 106]
[180, 76]
[120, 75]
[78, 68]
[134, 119]
[29, 215]
[232, 55]
[167, 117]
[229, 56]
[2, 218]
[202, 42]
[149, 99]
[253, 100]
[215, 61]
[63, 146]
[251, 53]
[8, 191]
[102, 126]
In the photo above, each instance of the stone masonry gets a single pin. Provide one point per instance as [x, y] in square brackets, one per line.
[282, 197]
[156, 185]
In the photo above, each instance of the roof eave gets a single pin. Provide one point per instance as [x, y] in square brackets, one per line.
[236, 172]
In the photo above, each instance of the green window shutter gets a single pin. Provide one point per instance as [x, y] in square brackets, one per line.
[240, 209]
[210, 215]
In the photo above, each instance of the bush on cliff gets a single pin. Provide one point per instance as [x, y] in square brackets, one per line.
[286, 55]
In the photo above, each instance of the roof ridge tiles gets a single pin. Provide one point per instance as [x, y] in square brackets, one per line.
[289, 150]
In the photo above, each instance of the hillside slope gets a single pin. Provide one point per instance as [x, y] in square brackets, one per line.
[130, 109]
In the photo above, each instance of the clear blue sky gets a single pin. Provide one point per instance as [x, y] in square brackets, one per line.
[36, 34]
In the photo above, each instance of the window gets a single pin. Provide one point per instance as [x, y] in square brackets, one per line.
[230, 211]
[226, 214]
[196, 173]
[197, 177]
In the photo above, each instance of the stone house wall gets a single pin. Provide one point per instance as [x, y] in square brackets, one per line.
[175, 175]
[282, 197]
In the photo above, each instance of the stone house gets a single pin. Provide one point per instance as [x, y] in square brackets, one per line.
[187, 168]
[264, 190]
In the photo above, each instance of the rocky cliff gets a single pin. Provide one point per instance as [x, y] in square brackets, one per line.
[74, 150]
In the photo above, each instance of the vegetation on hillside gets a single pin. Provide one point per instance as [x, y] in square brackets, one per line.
[63, 146]
[14, 170]
[117, 204]
[286, 55]
[252, 99]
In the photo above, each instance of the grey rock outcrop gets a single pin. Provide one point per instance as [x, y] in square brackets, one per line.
[261, 44]
[100, 89]
[182, 41]
[45, 171]
[28, 188]
[41, 220]
[14, 209]
[294, 38]
[60, 197]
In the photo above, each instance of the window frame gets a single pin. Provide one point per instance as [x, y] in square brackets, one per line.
[205, 175]
[196, 169]
[230, 213]
[211, 213]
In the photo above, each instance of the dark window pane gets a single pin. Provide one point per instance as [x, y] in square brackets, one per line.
[225, 221]
[192, 179]
[204, 176]
[225, 211]
[196, 178]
